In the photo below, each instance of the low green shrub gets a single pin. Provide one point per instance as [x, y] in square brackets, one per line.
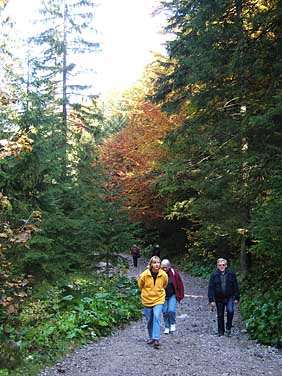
[10, 356]
[4, 372]
[59, 318]
[262, 313]
[198, 270]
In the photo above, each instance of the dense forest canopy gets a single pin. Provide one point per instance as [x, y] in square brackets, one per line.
[189, 158]
[226, 73]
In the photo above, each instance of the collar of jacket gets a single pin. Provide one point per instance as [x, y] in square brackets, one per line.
[160, 273]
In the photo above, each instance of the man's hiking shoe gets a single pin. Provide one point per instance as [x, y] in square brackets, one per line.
[220, 334]
[150, 341]
[156, 344]
[228, 332]
[166, 331]
[172, 328]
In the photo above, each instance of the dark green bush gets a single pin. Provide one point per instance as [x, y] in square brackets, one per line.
[10, 356]
[263, 315]
[198, 270]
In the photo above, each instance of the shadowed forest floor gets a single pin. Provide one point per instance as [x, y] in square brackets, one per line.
[194, 349]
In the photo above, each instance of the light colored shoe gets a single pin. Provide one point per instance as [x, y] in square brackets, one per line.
[172, 328]
[166, 331]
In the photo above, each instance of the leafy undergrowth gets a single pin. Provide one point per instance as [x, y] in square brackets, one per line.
[262, 313]
[197, 270]
[58, 319]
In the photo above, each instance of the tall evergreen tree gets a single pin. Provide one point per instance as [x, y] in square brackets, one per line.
[68, 25]
[219, 66]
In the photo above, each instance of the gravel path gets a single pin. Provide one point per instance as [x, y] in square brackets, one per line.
[192, 350]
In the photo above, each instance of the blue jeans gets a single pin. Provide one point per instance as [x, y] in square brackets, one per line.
[153, 315]
[169, 311]
[227, 303]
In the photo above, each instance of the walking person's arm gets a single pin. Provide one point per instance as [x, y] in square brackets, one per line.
[211, 293]
[179, 287]
[141, 281]
[236, 290]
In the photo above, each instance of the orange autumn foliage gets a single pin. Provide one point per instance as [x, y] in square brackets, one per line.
[132, 156]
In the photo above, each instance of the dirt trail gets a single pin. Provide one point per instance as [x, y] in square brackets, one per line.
[192, 350]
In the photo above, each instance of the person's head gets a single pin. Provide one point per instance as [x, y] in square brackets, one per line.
[221, 264]
[165, 265]
[154, 263]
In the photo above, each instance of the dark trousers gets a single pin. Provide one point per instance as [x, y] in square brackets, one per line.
[135, 260]
[227, 304]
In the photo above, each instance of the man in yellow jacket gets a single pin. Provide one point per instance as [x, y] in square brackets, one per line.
[152, 283]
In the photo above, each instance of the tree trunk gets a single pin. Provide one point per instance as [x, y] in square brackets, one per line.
[243, 256]
[64, 109]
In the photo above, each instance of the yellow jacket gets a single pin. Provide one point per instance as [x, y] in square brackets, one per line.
[152, 294]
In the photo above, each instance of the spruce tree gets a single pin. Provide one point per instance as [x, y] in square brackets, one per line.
[221, 62]
[67, 27]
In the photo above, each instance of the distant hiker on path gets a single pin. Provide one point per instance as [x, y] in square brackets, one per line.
[135, 252]
[156, 251]
[223, 292]
[174, 294]
[152, 283]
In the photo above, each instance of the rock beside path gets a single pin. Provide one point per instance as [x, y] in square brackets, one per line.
[194, 349]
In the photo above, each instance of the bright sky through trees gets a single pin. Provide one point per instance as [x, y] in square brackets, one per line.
[128, 33]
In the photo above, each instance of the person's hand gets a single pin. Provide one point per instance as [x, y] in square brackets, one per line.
[236, 301]
[212, 306]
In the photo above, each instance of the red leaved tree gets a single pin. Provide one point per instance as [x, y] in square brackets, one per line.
[133, 154]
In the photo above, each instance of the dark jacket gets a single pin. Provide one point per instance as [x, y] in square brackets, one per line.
[156, 251]
[215, 292]
[177, 284]
[135, 251]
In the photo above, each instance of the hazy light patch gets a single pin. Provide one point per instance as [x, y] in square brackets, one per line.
[126, 30]
[23, 13]
[129, 35]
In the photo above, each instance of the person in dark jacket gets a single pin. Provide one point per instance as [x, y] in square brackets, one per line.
[223, 292]
[135, 253]
[174, 294]
[156, 251]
